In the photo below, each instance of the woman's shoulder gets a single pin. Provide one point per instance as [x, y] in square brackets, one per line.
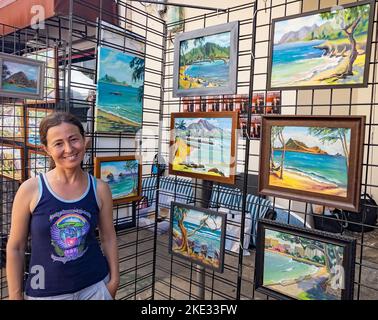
[30, 185]
[28, 190]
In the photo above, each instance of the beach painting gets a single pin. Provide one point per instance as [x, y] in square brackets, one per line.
[326, 48]
[11, 162]
[198, 235]
[21, 77]
[11, 122]
[294, 263]
[38, 162]
[34, 117]
[122, 174]
[119, 99]
[206, 61]
[203, 145]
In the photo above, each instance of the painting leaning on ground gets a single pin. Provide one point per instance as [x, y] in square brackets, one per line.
[329, 48]
[313, 159]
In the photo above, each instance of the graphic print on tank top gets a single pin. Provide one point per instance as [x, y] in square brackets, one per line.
[68, 234]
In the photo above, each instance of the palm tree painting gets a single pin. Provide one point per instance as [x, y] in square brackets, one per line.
[198, 235]
[313, 159]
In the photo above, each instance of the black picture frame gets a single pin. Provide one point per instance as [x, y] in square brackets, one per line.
[347, 244]
[223, 218]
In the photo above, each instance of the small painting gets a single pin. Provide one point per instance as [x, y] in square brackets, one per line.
[329, 48]
[11, 162]
[258, 102]
[198, 235]
[123, 175]
[34, 117]
[38, 162]
[120, 81]
[12, 122]
[302, 264]
[273, 102]
[255, 133]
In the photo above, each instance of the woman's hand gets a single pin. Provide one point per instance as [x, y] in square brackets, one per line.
[112, 288]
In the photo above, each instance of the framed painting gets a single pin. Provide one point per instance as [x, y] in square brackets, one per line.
[34, 117]
[123, 174]
[38, 162]
[205, 61]
[203, 144]
[119, 99]
[21, 77]
[11, 163]
[51, 91]
[295, 263]
[198, 235]
[12, 122]
[328, 48]
[315, 159]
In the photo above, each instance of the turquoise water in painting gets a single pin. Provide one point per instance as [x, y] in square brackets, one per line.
[215, 72]
[296, 51]
[12, 87]
[122, 188]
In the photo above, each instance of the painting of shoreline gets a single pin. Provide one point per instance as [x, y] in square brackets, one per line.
[11, 159]
[11, 122]
[313, 159]
[119, 92]
[326, 48]
[38, 162]
[198, 235]
[34, 117]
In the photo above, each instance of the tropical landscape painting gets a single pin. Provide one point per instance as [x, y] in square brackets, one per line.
[203, 146]
[327, 48]
[34, 117]
[11, 122]
[313, 159]
[122, 176]
[119, 106]
[11, 162]
[38, 163]
[302, 268]
[198, 235]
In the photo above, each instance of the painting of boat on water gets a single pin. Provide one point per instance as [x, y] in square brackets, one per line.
[206, 61]
[198, 235]
[327, 48]
[122, 174]
[119, 105]
[203, 145]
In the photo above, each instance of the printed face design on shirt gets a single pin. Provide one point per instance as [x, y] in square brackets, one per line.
[68, 234]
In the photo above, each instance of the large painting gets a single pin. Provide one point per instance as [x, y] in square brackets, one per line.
[34, 117]
[329, 48]
[303, 264]
[123, 175]
[315, 159]
[203, 145]
[12, 122]
[21, 77]
[205, 61]
[198, 235]
[11, 162]
[38, 162]
[120, 80]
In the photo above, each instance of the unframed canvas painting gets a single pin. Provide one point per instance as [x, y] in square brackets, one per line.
[11, 162]
[11, 122]
[34, 117]
[38, 163]
[329, 48]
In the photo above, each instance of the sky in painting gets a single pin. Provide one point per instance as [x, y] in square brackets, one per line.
[113, 166]
[223, 123]
[195, 216]
[30, 71]
[221, 39]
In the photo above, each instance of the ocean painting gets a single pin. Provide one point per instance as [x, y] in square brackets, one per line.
[11, 122]
[203, 146]
[122, 177]
[198, 235]
[120, 83]
[313, 159]
[328, 48]
[38, 163]
[11, 162]
[302, 268]
[34, 117]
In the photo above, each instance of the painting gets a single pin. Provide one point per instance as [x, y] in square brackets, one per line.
[273, 102]
[258, 102]
[205, 61]
[34, 117]
[21, 77]
[303, 264]
[203, 145]
[313, 158]
[255, 132]
[198, 235]
[38, 162]
[12, 122]
[49, 57]
[329, 48]
[119, 99]
[123, 174]
[11, 162]
[175, 19]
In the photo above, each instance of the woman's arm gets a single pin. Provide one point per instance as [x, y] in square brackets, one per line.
[108, 235]
[18, 236]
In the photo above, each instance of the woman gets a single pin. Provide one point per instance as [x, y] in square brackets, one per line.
[63, 208]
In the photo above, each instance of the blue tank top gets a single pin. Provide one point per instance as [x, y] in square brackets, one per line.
[63, 243]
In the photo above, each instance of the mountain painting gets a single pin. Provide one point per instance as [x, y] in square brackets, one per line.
[119, 106]
[198, 235]
[326, 48]
[313, 159]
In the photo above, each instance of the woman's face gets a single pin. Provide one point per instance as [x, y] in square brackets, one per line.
[65, 145]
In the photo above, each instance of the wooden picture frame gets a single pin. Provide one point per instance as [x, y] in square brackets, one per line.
[21, 77]
[33, 169]
[11, 156]
[12, 122]
[200, 253]
[312, 162]
[32, 129]
[294, 263]
[226, 124]
[331, 69]
[197, 78]
[112, 165]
